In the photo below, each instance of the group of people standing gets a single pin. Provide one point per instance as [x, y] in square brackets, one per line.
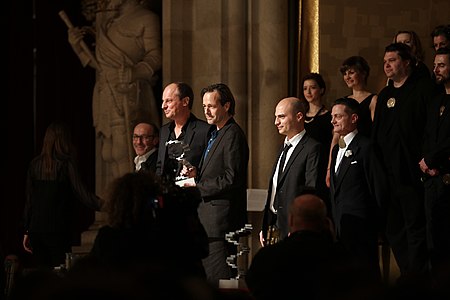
[377, 163]
[378, 150]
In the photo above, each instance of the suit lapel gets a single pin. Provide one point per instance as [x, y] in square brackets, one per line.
[190, 130]
[164, 137]
[346, 160]
[333, 163]
[292, 158]
[205, 161]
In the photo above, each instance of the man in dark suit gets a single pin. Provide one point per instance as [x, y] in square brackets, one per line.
[398, 129]
[185, 127]
[357, 187]
[145, 143]
[435, 166]
[298, 171]
[222, 180]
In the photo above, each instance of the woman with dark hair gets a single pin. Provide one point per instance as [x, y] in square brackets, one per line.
[318, 125]
[53, 186]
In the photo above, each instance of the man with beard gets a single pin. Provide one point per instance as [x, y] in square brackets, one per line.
[435, 166]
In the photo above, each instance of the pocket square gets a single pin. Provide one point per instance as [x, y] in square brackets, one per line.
[354, 162]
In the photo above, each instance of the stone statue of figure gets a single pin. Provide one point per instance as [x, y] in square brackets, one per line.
[127, 56]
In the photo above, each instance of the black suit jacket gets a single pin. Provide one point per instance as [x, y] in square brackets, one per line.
[437, 135]
[301, 171]
[150, 164]
[196, 136]
[222, 181]
[360, 188]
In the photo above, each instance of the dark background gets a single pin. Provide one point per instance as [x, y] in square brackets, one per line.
[45, 82]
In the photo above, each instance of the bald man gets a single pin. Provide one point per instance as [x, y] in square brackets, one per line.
[145, 144]
[300, 263]
[291, 172]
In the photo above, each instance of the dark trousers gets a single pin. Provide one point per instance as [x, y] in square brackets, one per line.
[437, 209]
[49, 249]
[215, 264]
[360, 237]
[406, 230]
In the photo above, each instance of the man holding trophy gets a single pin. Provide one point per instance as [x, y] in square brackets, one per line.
[184, 139]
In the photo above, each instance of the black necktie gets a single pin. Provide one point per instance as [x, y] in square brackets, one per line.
[283, 160]
[280, 171]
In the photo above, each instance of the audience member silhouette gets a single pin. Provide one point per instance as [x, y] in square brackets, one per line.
[147, 223]
[307, 264]
[53, 186]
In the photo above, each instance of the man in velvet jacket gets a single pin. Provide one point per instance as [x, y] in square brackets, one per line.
[184, 126]
[222, 180]
[358, 187]
[300, 168]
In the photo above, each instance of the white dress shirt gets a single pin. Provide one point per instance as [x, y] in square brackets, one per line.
[138, 160]
[347, 139]
[294, 142]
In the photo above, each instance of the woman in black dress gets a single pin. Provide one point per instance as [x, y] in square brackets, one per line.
[318, 125]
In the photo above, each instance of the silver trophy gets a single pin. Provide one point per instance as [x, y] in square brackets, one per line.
[177, 150]
[240, 260]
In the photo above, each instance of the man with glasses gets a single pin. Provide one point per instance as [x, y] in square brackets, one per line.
[145, 144]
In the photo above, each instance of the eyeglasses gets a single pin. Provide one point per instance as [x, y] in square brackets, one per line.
[142, 137]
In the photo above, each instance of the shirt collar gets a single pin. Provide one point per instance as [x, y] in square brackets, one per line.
[349, 138]
[138, 160]
[295, 139]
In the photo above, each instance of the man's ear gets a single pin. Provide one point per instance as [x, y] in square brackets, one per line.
[355, 118]
[300, 116]
[227, 106]
[185, 101]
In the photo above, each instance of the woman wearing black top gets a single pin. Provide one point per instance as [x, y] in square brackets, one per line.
[318, 125]
[53, 184]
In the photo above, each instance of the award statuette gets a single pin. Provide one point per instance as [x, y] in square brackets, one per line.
[240, 260]
[176, 150]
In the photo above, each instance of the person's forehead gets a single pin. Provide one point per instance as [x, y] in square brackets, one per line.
[392, 54]
[143, 128]
[213, 96]
[441, 37]
[338, 108]
[442, 58]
